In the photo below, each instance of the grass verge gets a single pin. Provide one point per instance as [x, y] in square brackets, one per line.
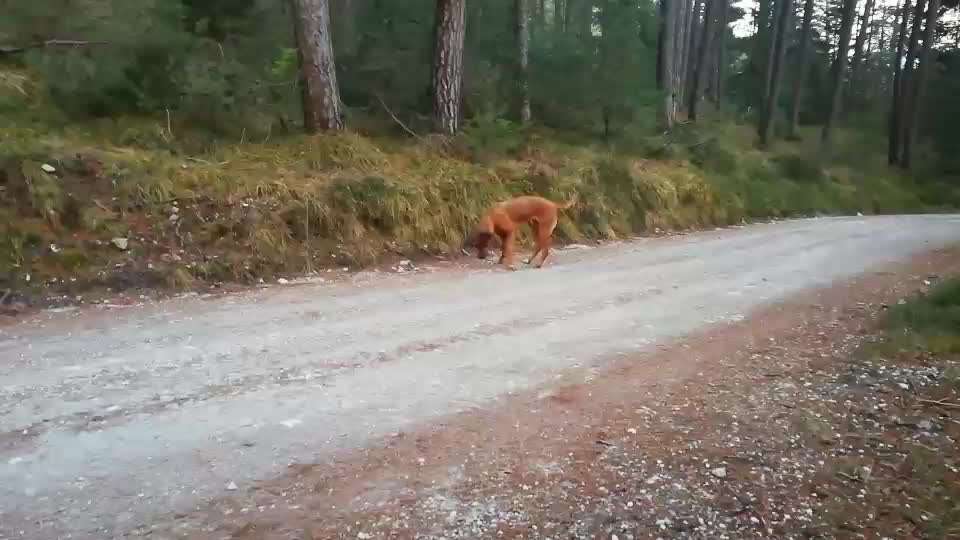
[148, 203]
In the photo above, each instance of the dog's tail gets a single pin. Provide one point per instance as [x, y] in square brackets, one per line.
[569, 204]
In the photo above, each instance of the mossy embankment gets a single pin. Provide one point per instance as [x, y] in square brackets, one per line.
[139, 202]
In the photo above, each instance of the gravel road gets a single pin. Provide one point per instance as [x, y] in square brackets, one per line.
[110, 418]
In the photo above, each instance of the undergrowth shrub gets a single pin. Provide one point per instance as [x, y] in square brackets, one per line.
[799, 168]
[929, 322]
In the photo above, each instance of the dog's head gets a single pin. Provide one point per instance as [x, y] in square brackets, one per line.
[479, 241]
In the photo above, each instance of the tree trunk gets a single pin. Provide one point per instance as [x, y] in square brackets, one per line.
[906, 81]
[523, 60]
[800, 78]
[694, 31]
[920, 84]
[857, 59]
[680, 50]
[580, 18]
[771, 52]
[840, 69]
[761, 39]
[783, 13]
[344, 25]
[321, 96]
[700, 67]
[448, 65]
[721, 70]
[893, 137]
[666, 47]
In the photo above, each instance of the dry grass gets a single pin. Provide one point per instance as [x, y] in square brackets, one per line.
[200, 211]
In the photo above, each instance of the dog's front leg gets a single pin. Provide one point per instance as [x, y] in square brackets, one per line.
[506, 256]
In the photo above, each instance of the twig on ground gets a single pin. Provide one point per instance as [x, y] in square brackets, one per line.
[940, 403]
[395, 119]
[849, 477]
[12, 49]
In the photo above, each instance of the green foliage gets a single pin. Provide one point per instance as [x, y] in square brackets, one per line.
[799, 168]
[488, 136]
[929, 322]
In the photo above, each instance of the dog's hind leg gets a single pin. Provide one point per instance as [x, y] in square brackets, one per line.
[544, 239]
[538, 245]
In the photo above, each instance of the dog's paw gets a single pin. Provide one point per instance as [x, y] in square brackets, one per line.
[511, 267]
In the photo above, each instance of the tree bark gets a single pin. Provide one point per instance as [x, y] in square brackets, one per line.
[920, 86]
[802, 69]
[907, 80]
[857, 59]
[580, 19]
[771, 52]
[699, 68]
[344, 25]
[720, 72]
[666, 47]
[448, 65]
[694, 31]
[840, 68]
[783, 12]
[760, 53]
[893, 137]
[321, 96]
[679, 67]
[523, 60]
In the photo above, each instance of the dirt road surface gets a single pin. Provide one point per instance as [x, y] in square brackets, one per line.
[114, 420]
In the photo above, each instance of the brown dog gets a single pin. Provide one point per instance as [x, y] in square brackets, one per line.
[506, 217]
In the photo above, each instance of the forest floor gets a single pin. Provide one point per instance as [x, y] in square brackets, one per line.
[747, 382]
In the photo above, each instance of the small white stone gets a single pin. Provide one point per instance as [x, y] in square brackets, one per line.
[47, 168]
[719, 472]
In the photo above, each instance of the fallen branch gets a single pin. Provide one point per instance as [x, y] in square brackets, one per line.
[13, 49]
[940, 403]
[395, 119]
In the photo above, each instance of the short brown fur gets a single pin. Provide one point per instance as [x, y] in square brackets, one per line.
[506, 217]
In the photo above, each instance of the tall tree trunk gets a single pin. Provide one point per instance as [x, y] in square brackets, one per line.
[800, 78]
[321, 96]
[907, 78]
[694, 33]
[344, 25]
[783, 14]
[840, 69]
[761, 41]
[771, 51]
[720, 72]
[920, 84]
[580, 19]
[701, 65]
[523, 60]
[666, 47]
[448, 65]
[857, 60]
[680, 50]
[893, 137]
